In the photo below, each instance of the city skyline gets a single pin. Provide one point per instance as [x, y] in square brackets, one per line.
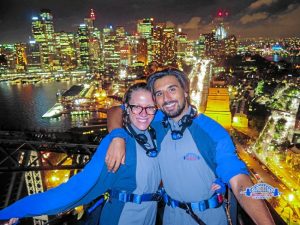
[261, 18]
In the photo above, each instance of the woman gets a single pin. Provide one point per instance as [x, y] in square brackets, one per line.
[132, 189]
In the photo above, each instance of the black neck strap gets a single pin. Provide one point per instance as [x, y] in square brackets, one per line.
[143, 141]
[184, 122]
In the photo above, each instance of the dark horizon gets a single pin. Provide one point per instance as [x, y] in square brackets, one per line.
[250, 18]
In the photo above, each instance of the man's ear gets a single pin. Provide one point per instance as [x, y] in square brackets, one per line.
[186, 94]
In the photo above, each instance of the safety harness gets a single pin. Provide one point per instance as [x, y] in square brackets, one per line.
[124, 196]
[213, 202]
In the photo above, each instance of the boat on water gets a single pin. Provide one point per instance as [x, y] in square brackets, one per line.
[55, 111]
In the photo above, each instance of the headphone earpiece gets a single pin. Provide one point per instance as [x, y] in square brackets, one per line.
[143, 140]
[165, 122]
[176, 134]
[184, 122]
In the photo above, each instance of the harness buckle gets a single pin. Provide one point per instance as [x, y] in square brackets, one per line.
[157, 197]
[187, 207]
[123, 196]
[137, 199]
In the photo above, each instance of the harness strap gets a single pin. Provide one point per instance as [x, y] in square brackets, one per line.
[213, 202]
[124, 196]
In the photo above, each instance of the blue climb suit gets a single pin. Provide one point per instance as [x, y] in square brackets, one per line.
[191, 164]
[139, 175]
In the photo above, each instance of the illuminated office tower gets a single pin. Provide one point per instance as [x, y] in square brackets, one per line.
[21, 57]
[156, 50]
[157, 42]
[122, 47]
[200, 46]
[169, 47]
[94, 43]
[3, 60]
[95, 51]
[110, 49]
[43, 33]
[121, 35]
[220, 32]
[125, 55]
[133, 41]
[145, 28]
[221, 44]
[83, 47]
[210, 44]
[231, 45]
[145, 31]
[182, 44]
[88, 45]
[65, 48]
[9, 53]
[33, 53]
[220, 39]
[190, 51]
[89, 22]
[217, 106]
[142, 50]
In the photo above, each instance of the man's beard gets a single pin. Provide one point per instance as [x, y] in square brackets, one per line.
[175, 113]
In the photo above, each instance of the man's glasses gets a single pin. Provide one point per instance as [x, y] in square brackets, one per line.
[136, 109]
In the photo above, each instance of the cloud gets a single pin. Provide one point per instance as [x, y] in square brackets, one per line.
[192, 24]
[254, 17]
[170, 24]
[285, 24]
[260, 3]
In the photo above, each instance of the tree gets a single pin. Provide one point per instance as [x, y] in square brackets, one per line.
[259, 90]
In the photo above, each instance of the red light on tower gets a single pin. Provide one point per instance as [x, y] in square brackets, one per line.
[222, 13]
[92, 15]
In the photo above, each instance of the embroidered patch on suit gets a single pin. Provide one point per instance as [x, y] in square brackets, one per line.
[191, 156]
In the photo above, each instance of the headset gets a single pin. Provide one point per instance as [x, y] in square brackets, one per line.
[185, 122]
[143, 140]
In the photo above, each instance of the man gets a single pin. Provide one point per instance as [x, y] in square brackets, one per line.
[195, 150]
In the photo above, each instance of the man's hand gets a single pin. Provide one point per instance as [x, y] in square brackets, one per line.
[12, 221]
[115, 154]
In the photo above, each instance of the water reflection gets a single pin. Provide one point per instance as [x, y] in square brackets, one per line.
[22, 106]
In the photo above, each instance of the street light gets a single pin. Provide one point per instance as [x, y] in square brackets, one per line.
[290, 199]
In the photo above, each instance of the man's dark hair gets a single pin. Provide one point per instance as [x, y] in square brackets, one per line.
[179, 75]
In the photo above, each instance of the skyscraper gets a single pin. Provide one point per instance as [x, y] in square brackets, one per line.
[169, 47]
[145, 31]
[83, 47]
[21, 57]
[110, 49]
[65, 49]
[43, 33]
[33, 54]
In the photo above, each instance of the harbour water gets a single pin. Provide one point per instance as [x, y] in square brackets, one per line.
[23, 105]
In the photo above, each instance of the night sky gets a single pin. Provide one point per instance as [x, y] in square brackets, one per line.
[247, 18]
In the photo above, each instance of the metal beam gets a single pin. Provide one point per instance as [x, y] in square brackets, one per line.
[14, 153]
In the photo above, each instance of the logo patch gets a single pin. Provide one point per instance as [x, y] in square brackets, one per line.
[261, 191]
[191, 156]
